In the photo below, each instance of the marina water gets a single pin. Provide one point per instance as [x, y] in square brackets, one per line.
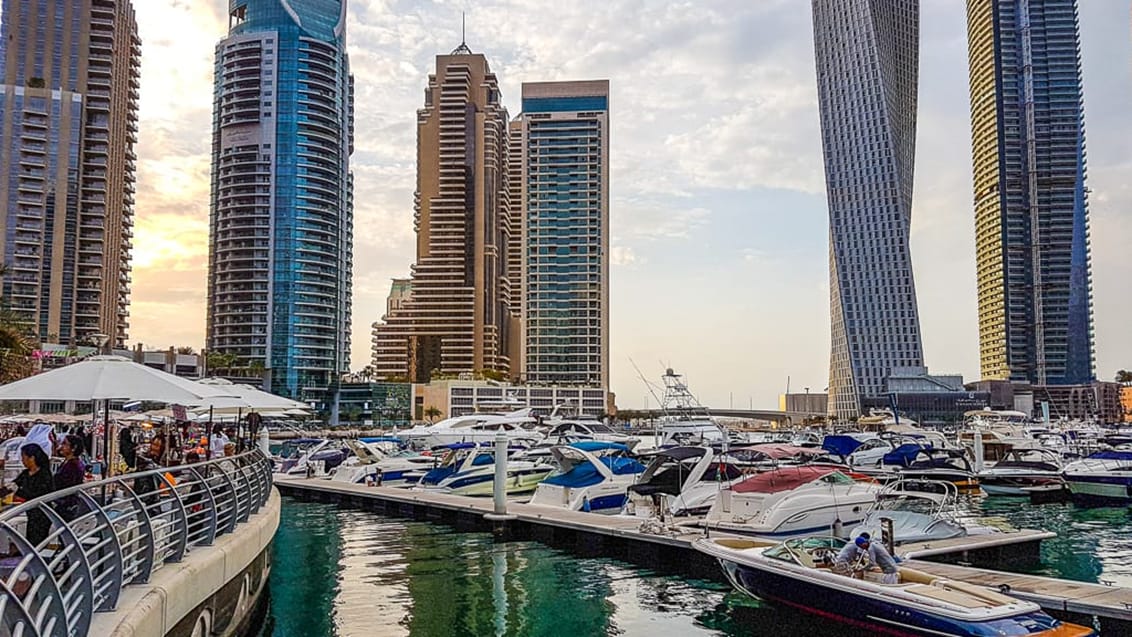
[346, 572]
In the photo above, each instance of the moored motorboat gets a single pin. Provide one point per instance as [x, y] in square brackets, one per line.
[469, 469]
[914, 462]
[797, 573]
[792, 502]
[590, 476]
[681, 481]
[1105, 477]
[918, 511]
[1022, 471]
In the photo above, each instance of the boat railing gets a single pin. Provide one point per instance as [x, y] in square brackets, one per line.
[109, 534]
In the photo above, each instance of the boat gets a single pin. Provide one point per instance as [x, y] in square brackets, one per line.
[685, 421]
[1023, 471]
[370, 465]
[469, 469]
[517, 425]
[567, 430]
[309, 457]
[1105, 476]
[919, 511]
[793, 501]
[797, 573]
[682, 481]
[591, 476]
[916, 462]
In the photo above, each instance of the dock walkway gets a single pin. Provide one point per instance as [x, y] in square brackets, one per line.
[622, 536]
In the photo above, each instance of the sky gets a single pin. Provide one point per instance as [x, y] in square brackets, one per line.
[718, 212]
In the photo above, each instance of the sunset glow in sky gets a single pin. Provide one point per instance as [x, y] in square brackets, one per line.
[719, 249]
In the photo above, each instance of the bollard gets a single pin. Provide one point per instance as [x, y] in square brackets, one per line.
[980, 453]
[499, 517]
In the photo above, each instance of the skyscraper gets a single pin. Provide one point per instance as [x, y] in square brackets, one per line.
[867, 67]
[458, 317]
[564, 206]
[68, 124]
[281, 214]
[1031, 208]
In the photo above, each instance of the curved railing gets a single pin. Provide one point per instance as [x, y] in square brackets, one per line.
[111, 533]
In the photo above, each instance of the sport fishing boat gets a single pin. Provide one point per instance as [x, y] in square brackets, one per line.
[1103, 476]
[590, 476]
[469, 469]
[682, 481]
[797, 573]
[793, 502]
[1023, 470]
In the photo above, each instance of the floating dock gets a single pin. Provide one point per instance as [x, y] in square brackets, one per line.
[670, 549]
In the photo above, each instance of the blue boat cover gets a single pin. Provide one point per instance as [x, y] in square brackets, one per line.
[840, 445]
[598, 445]
[373, 439]
[1111, 455]
[902, 455]
[585, 474]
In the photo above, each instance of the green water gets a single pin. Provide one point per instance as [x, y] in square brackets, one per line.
[346, 573]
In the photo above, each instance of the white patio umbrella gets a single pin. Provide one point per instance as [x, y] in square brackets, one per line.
[243, 398]
[109, 378]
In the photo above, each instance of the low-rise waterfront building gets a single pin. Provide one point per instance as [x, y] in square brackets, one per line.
[442, 399]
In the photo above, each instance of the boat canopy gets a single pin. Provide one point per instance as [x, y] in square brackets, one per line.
[776, 451]
[1111, 454]
[681, 453]
[598, 445]
[785, 479]
[902, 455]
[585, 474]
[840, 445]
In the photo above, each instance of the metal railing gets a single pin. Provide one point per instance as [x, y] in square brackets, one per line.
[111, 533]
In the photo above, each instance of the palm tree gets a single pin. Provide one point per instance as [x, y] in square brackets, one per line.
[431, 412]
[16, 347]
[1124, 376]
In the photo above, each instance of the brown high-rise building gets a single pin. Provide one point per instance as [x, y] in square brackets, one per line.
[68, 124]
[458, 317]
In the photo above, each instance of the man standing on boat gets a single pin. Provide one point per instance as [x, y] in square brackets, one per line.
[863, 550]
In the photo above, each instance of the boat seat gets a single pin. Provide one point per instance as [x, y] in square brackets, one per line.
[951, 596]
[740, 544]
[912, 576]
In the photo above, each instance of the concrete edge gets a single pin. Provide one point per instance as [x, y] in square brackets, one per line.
[176, 589]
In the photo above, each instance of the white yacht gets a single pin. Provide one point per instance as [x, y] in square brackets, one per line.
[469, 469]
[516, 425]
[681, 481]
[920, 511]
[792, 502]
[590, 476]
[1104, 477]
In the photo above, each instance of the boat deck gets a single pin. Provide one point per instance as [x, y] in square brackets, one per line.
[1079, 598]
[1078, 601]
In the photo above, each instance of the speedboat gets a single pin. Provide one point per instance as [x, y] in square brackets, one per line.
[309, 456]
[797, 573]
[914, 462]
[590, 476]
[516, 425]
[1104, 476]
[682, 481]
[469, 469]
[1023, 470]
[793, 502]
[564, 431]
[919, 512]
[371, 465]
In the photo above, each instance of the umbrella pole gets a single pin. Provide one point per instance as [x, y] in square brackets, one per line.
[106, 438]
[211, 433]
[239, 428]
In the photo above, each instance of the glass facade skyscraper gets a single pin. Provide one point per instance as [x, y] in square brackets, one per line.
[70, 73]
[1031, 207]
[867, 57]
[563, 201]
[281, 214]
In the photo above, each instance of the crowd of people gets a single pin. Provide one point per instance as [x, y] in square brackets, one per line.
[74, 466]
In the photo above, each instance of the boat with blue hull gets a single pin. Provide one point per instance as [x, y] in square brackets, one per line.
[798, 573]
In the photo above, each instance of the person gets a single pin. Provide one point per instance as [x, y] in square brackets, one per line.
[70, 473]
[873, 553]
[230, 449]
[216, 442]
[35, 481]
[146, 486]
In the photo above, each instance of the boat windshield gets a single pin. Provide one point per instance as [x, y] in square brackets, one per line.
[792, 550]
[296, 448]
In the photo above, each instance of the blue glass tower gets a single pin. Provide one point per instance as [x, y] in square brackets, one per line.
[1031, 209]
[281, 214]
[867, 54]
